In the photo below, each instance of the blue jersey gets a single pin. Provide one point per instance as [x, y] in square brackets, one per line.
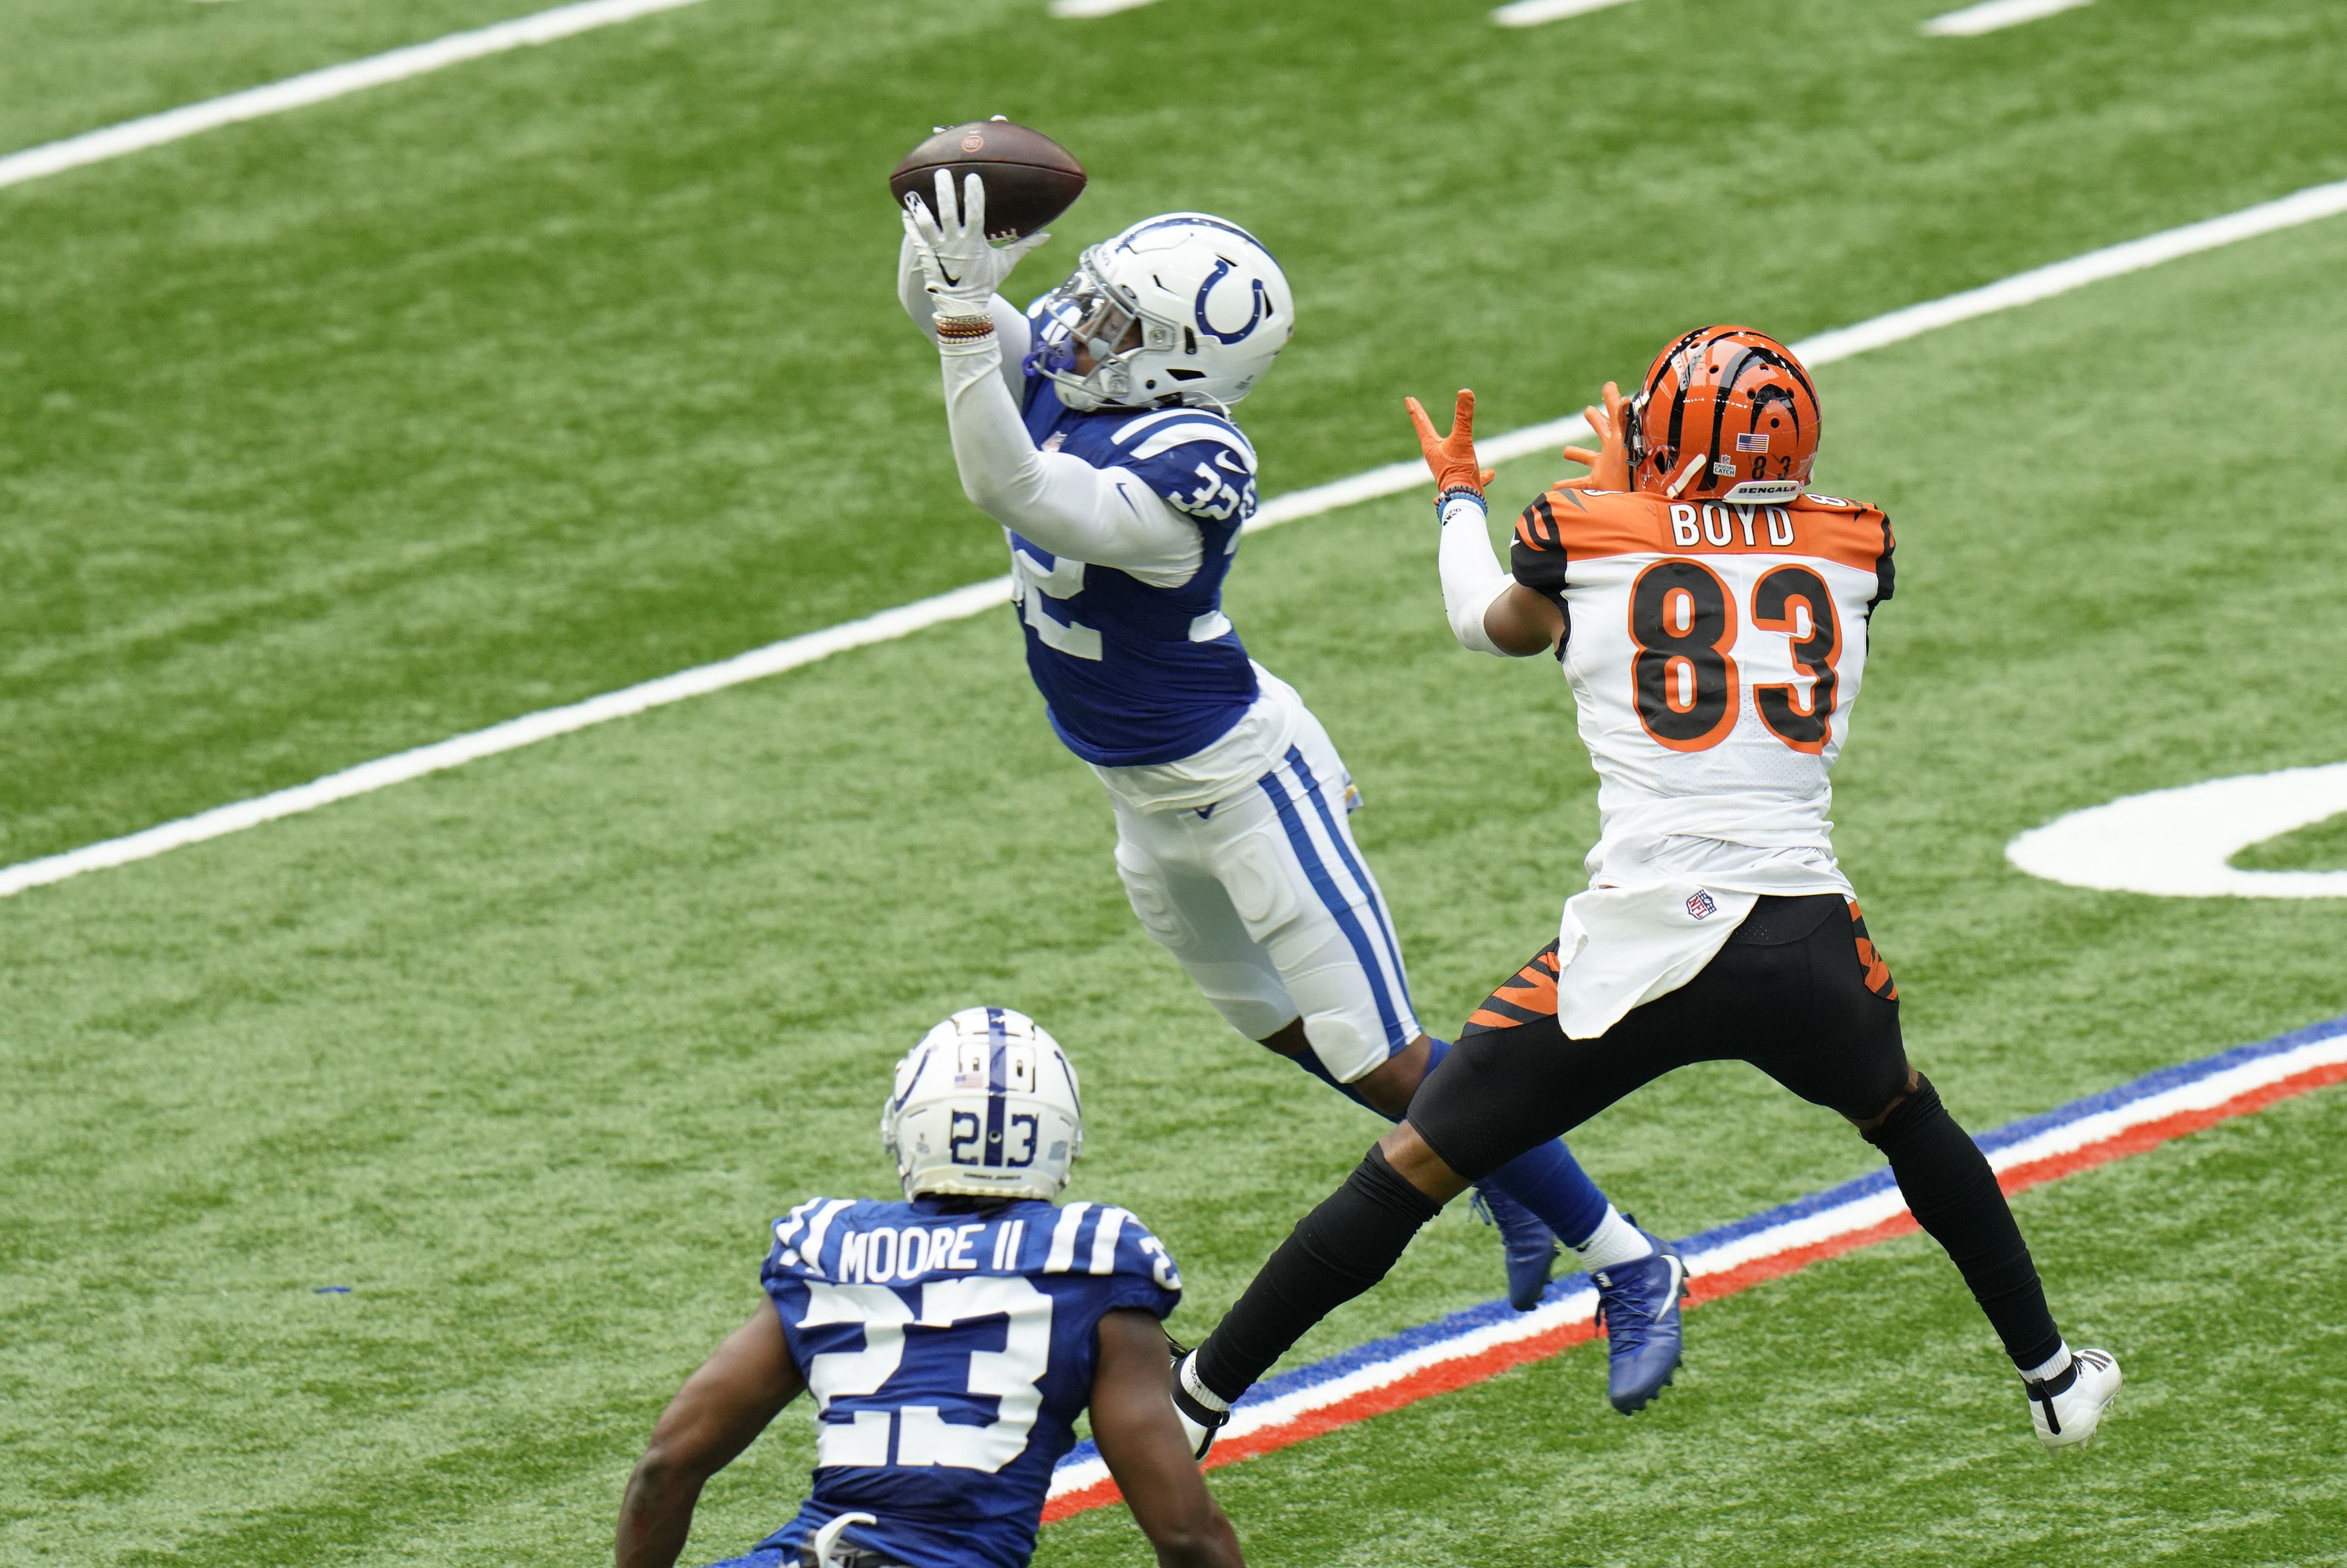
[949, 1353]
[1133, 673]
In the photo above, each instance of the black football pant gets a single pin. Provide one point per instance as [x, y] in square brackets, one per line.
[1798, 992]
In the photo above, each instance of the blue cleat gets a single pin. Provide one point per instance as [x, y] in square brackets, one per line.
[1638, 1309]
[1530, 1246]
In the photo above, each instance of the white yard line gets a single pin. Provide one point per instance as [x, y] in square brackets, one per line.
[1532, 13]
[317, 87]
[2025, 288]
[511, 735]
[1096, 7]
[1992, 15]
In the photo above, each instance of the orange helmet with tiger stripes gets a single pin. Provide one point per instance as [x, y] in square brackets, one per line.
[1726, 414]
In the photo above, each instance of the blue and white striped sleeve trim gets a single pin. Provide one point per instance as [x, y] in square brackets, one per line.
[1101, 1239]
[1154, 434]
[799, 1236]
[1198, 463]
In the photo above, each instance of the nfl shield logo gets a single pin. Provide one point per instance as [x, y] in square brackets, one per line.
[1701, 905]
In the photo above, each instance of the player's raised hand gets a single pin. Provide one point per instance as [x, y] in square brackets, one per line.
[962, 270]
[1609, 467]
[1452, 457]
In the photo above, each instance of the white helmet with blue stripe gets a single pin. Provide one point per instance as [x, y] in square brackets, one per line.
[986, 1106]
[1180, 309]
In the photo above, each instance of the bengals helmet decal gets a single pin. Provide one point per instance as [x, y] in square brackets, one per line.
[1726, 414]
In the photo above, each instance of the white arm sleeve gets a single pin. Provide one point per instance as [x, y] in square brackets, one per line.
[1009, 326]
[1471, 574]
[1104, 517]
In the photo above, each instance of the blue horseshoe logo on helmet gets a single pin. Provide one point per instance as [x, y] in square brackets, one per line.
[1261, 303]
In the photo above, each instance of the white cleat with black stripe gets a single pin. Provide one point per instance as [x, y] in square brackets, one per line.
[2069, 1407]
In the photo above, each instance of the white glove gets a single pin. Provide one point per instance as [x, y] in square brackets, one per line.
[959, 268]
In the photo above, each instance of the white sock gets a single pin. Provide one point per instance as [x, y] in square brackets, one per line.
[2052, 1368]
[1614, 1241]
[1195, 1386]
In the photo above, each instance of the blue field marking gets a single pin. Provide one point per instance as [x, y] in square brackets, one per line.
[1487, 1314]
[2157, 1083]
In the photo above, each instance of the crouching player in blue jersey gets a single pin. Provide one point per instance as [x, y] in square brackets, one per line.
[1096, 430]
[950, 1340]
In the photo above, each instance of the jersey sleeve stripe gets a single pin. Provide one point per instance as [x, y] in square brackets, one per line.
[791, 1224]
[1062, 1255]
[1132, 427]
[1104, 1235]
[1536, 529]
[1172, 436]
[811, 1248]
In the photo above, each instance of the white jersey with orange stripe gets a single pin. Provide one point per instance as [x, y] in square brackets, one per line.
[1714, 653]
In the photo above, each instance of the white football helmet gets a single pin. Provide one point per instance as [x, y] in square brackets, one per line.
[986, 1105]
[1180, 309]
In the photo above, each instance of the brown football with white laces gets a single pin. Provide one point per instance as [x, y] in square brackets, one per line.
[1030, 180]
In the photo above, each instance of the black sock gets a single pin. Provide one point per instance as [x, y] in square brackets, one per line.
[1334, 1253]
[1948, 1184]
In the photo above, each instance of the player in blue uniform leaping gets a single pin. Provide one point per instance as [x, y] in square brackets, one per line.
[1095, 429]
[950, 1341]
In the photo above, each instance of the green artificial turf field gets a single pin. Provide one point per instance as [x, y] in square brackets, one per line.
[345, 431]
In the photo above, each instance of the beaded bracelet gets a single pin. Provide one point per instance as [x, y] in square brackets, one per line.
[964, 328]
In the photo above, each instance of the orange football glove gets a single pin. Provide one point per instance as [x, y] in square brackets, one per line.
[1609, 468]
[1452, 457]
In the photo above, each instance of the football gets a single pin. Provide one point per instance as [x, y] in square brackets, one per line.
[1030, 180]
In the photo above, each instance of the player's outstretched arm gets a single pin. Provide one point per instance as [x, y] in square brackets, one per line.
[1102, 516]
[1519, 622]
[913, 293]
[1141, 1439]
[1488, 613]
[719, 1411]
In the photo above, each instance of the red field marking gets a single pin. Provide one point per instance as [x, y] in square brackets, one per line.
[1446, 1377]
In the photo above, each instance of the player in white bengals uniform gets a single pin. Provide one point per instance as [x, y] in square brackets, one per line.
[1096, 428]
[1712, 619]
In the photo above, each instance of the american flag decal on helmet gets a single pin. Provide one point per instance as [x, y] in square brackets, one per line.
[1756, 443]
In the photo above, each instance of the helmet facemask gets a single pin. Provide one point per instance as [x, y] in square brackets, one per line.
[1088, 313]
[1157, 311]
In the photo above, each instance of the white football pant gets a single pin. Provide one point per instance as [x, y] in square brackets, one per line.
[1268, 903]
